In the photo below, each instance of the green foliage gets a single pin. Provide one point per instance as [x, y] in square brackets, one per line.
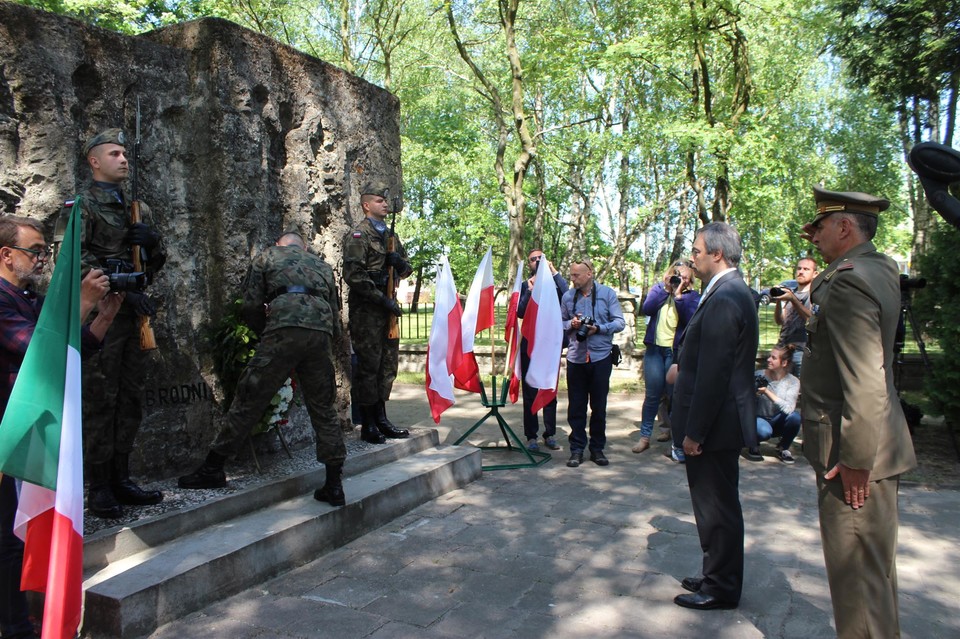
[937, 308]
[235, 343]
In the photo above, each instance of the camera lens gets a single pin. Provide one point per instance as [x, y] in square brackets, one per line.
[675, 280]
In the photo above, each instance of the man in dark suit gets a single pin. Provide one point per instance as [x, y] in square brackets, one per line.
[854, 431]
[714, 413]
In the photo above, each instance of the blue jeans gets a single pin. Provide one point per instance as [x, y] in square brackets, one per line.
[797, 361]
[656, 362]
[589, 382]
[14, 613]
[786, 426]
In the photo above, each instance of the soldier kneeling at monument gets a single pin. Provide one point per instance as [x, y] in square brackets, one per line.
[290, 296]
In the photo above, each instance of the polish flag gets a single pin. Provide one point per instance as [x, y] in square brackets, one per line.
[40, 443]
[444, 350]
[543, 328]
[512, 336]
[477, 317]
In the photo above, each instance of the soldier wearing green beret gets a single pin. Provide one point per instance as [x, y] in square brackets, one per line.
[113, 379]
[290, 297]
[365, 267]
[854, 431]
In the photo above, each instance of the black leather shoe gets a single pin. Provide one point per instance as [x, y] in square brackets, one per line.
[692, 583]
[102, 502]
[576, 458]
[700, 601]
[130, 494]
[333, 495]
[204, 477]
[598, 458]
[386, 426]
[371, 434]
[753, 454]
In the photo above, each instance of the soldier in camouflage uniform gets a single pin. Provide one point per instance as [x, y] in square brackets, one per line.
[291, 298]
[365, 264]
[113, 379]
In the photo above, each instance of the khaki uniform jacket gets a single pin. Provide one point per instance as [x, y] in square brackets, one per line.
[851, 412]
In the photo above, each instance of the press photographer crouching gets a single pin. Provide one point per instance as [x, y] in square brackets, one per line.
[777, 414]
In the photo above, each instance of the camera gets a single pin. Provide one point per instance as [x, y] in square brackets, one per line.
[123, 279]
[585, 324]
[675, 280]
[761, 382]
[910, 283]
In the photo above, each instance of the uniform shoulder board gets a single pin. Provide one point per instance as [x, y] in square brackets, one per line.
[846, 266]
[357, 235]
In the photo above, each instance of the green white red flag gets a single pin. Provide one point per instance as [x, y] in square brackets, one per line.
[40, 443]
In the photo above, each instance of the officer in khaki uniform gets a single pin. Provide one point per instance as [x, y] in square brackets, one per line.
[290, 298]
[365, 264]
[854, 431]
[113, 378]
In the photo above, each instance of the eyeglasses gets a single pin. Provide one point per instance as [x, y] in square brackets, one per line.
[38, 254]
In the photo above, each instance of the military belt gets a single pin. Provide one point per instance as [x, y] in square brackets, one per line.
[296, 288]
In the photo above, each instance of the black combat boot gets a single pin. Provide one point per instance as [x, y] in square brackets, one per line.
[125, 490]
[332, 491]
[100, 498]
[386, 426]
[368, 428]
[209, 475]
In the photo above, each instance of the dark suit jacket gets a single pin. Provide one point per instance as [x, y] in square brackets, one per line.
[714, 399]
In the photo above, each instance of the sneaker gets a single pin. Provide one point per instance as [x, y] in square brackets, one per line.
[786, 457]
[532, 445]
[598, 458]
[551, 443]
[676, 454]
[753, 454]
[576, 458]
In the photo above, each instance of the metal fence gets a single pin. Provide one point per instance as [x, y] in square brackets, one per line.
[415, 326]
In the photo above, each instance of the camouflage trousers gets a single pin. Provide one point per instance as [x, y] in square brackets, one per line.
[113, 381]
[377, 356]
[282, 353]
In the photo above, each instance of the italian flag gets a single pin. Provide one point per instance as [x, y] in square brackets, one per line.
[40, 443]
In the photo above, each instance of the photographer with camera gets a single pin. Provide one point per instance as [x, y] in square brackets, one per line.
[793, 310]
[777, 394]
[531, 424]
[113, 379]
[591, 315]
[670, 304]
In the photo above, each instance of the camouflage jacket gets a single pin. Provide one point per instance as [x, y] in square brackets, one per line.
[279, 267]
[364, 262]
[103, 230]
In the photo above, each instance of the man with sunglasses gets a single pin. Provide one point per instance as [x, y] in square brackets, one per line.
[113, 379]
[531, 423]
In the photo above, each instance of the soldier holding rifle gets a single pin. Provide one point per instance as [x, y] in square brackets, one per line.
[113, 379]
[373, 261]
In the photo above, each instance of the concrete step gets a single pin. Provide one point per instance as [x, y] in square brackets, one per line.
[211, 560]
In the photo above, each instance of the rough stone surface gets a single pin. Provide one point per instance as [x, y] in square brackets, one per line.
[242, 138]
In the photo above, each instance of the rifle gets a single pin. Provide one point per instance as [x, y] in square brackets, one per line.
[393, 329]
[148, 340]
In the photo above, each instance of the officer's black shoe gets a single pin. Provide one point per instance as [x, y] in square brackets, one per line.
[102, 502]
[128, 492]
[332, 490]
[209, 475]
[371, 433]
[386, 426]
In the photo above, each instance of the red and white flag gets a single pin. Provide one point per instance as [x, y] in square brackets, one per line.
[477, 317]
[40, 443]
[543, 328]
[512, 336]
[444, 350]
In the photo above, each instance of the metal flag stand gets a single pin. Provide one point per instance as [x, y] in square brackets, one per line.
[534, 458]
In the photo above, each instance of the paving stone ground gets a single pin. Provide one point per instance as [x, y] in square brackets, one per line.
[588, 552]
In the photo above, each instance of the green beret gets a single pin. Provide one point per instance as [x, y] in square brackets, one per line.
[830, 202]
[110, 136]
[375, 187]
